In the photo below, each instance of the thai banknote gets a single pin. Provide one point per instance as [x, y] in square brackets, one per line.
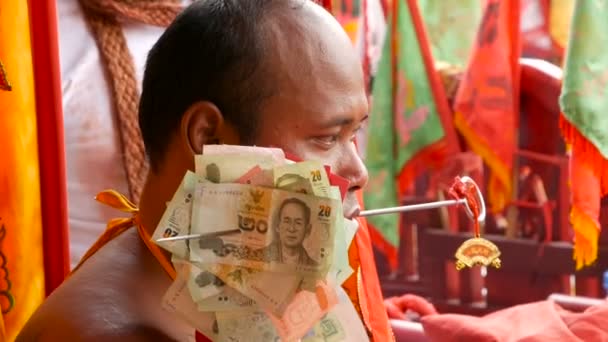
[227, 163]
[341, 323]
[178, 301]
[203, 284]
[228, 299]
[304, 311]
[270, 291]
[301, 185]
[303, 175]
[236, 150]
[245, 326]
[257, 176]
[249, 281]
[177, 218]
[340, 268]
[275, 226]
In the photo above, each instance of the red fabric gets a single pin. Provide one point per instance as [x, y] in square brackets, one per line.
[371, 300]
[487, 102]
[51, 154]
[534, 322]
[201, 338]
[389, 251]
[325, 3]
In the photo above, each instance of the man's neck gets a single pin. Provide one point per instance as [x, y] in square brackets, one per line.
[156, 193]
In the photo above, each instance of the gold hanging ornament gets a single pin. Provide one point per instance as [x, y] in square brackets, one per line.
[477, 250]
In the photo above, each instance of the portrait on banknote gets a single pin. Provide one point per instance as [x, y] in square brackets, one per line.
[292, 226]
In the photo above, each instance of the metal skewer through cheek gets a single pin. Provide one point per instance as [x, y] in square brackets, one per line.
[412, 207]
[432, 205]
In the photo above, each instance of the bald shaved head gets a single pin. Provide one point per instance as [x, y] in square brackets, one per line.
[259, 66]
[231, 53]
[311, 50]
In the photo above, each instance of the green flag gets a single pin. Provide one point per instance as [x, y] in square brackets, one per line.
[451, 27]
[406, 129]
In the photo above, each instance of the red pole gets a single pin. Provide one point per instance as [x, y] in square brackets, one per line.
[51, 151]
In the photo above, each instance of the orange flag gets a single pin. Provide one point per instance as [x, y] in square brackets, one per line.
[487, 102]
[21, 251]
[33, 207]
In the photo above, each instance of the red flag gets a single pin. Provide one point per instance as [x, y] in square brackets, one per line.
[487, 103]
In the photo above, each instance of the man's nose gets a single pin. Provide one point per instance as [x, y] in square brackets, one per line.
[352, 168]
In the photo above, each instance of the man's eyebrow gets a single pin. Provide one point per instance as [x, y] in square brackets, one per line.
[342, 121]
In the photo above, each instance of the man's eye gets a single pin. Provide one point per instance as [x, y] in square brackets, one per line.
[355, 132]
[327, 140]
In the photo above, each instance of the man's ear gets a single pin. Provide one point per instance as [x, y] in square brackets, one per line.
[308, 229]
[203, 124]
[200, 126]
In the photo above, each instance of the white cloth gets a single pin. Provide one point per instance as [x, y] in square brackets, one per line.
[92, 142]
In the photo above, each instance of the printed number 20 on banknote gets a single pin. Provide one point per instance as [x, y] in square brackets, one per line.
[281, 231]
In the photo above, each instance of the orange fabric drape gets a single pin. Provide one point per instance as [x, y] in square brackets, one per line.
[21, 241]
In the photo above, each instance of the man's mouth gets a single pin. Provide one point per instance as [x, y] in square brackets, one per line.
[351, 207]
[353, 213]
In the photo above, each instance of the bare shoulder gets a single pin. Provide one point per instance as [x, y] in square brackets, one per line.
[67, 332]
[115, 294]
